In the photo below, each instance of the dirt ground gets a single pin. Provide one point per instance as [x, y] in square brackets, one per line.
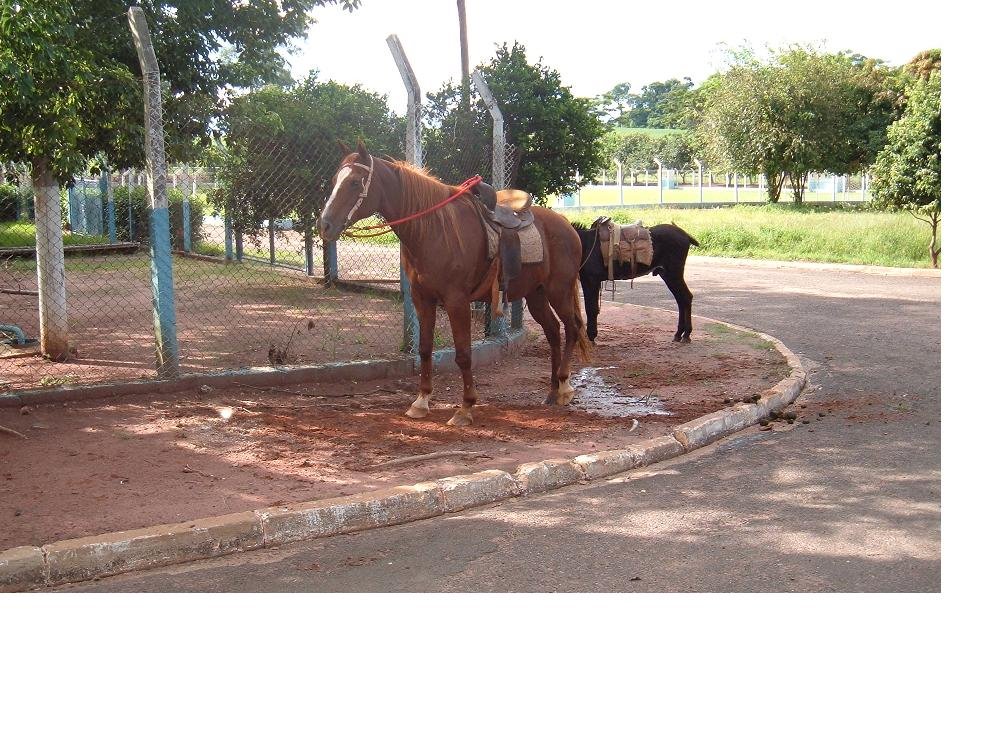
[106, 465]
[228, 316]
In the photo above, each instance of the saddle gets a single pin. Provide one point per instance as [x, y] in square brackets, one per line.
[507, 218]
[624, 244]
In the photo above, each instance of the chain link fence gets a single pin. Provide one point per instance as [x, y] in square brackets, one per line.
[253, 284]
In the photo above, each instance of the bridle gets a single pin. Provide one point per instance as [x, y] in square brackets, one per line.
[367, 186]
[383, 228]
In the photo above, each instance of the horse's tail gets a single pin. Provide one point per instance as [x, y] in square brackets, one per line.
[583, 344]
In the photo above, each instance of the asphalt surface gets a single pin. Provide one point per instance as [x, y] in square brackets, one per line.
[848, 501]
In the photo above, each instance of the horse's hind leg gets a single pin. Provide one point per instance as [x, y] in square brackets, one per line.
[591, 288]
[540, 310]
[427, 312]
[684, 301]
[567, 309]
[461, 325]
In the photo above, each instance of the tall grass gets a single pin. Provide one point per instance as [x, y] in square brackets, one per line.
[833, 234]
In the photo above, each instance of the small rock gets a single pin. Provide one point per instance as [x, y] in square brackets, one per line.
[39, 426]
[204, 389]
[766, 428]
[26, 410]
[804, 422]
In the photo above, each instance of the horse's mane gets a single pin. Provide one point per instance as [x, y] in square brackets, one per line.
[422, 190]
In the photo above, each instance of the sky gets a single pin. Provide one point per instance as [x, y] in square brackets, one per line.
[593, 46]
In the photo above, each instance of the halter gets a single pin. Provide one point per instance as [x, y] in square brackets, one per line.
[364, 191]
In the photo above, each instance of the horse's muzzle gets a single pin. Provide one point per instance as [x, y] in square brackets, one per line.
[328, 230]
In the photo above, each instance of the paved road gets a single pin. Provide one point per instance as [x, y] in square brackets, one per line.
[848, 502]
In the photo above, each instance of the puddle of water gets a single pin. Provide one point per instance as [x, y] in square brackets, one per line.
[596, 396]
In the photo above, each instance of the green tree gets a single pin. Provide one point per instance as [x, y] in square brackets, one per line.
[79, 63]
[661, 105]
[800, 112]
[612, 105]
[554, 133]
[907, 173]
[280, 148]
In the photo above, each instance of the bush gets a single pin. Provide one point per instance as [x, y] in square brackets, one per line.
[137, 199]
[9, 197]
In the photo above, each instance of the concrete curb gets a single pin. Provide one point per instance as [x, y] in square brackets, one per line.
[28, 567]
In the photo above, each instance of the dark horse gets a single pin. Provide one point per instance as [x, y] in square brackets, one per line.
[444, 254]
[671, 245]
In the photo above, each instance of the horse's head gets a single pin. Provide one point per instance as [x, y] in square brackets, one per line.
[354, 194]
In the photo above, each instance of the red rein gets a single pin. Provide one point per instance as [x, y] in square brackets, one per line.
[383, 228]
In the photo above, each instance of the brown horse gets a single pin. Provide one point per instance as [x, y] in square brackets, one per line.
[444, 254]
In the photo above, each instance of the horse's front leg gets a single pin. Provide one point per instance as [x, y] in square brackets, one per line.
[461, 325]
[427, 313]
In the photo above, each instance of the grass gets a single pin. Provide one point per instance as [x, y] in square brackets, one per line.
[724, 333]
[835, 234]
[22, 234]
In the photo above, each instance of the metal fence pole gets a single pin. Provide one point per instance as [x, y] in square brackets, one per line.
[411, 322]
[331, 263]
[229, 239]
[186, 223]
[495, 326]
[110, 219]
[162, 285]
[272, 241]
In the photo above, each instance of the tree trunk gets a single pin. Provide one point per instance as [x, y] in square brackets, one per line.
[933, 249]
[464, 47]
[53, 332]
[798, 183]
[774, 182]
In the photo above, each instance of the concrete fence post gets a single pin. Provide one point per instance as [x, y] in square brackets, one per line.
[162, 284]
[54, 334]
[411, 322]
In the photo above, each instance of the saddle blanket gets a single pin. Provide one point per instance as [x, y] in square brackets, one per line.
[531, 243]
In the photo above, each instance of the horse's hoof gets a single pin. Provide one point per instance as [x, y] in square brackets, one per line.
[685, 338]
[420, 408]
[565, 393]
[461, 418]
[677, 337]
[551, 398]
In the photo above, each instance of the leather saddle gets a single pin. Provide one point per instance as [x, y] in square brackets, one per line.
[505, 212]
[628, 243]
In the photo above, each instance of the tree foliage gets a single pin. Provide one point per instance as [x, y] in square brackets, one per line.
[907, 173]
[280, 148]
[62, 99]
[554, 133]
[69, 74]
[666, 104]
[799, 112]
[638, 149]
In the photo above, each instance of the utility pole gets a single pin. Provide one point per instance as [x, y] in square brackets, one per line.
[464, 46]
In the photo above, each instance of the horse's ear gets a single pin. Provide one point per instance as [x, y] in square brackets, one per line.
[361, 148]
[344, 147]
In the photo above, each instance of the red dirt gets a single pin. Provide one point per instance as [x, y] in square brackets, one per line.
[106, 465]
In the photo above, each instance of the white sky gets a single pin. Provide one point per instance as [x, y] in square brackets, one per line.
[674, 39]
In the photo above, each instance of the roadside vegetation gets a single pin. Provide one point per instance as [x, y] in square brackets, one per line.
[784, 232]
